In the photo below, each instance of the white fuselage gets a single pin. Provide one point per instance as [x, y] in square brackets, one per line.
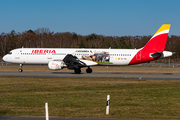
[45, 55]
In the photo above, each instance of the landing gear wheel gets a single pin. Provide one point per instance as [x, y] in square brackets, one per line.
[88, 70]
[20, 70]
[77, 71]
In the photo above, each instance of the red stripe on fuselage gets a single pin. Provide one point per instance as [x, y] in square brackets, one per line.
[156, 44]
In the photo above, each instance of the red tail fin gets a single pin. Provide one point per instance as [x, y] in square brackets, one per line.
[154, 48]
[158, 42]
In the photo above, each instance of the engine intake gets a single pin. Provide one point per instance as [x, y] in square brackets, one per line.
[56, 65]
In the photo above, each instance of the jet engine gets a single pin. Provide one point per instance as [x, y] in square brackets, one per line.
[56, 65]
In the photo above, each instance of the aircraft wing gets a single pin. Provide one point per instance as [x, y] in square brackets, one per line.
[73, 62]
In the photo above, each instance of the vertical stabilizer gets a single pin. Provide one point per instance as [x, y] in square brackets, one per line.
[158, 41]
[153, 50]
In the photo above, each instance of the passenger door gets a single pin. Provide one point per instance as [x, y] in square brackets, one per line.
[17, 55]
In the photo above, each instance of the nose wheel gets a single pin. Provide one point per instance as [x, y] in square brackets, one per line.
[20, 70]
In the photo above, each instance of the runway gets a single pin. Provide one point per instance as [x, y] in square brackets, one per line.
[93, 75]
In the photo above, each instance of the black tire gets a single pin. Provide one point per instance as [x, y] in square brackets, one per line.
[20, 70]
[88, 70]
[77, 71]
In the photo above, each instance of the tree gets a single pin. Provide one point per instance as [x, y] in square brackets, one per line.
[30, 31]
[115, 44]
[13, 33]
[42, 30]
[81, 45]
[91, 37]
[122, 43]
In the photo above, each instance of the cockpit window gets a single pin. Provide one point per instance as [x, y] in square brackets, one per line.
[9, 53]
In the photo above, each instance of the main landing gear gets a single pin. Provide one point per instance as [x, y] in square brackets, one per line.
[20, 70]
[88, 70]
[78, 70]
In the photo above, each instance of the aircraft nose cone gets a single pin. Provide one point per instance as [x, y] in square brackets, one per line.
[4, 58]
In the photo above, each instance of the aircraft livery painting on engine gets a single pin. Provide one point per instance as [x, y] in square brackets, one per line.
[75, 59]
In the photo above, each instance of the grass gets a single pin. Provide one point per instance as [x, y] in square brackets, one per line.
[86, 97]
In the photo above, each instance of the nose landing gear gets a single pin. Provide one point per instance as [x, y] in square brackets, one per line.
[20, 70]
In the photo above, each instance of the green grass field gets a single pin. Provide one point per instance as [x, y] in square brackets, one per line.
[86, 97]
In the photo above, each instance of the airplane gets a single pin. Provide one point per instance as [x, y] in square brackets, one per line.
[77, 58]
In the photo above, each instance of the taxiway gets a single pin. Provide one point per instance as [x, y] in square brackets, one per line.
[93, 75]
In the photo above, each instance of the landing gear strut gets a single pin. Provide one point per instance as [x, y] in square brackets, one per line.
[20, 70]
[88, 70]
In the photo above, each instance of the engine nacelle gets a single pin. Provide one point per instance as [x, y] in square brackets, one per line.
[56, 65]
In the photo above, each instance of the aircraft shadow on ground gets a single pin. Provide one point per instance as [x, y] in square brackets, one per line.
[65, 73]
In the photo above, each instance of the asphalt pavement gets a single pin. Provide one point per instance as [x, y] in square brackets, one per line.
[93, 75]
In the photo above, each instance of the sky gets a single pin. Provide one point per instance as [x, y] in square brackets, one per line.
[84, 17]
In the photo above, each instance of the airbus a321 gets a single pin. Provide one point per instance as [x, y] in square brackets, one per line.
[75, 59]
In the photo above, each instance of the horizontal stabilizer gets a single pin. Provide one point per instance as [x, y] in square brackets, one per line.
[156, 55]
